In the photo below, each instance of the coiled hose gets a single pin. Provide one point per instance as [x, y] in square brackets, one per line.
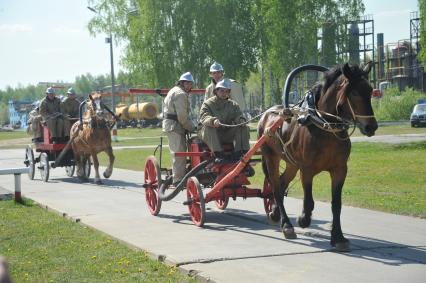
[180, 186]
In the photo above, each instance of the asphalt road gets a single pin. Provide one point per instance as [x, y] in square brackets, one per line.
[236, 245]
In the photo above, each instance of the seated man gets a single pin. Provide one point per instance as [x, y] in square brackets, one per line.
[34, 125]
[217, 110]
[50, 111]
[70, 108]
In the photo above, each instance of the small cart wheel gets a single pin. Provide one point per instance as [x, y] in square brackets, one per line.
[44, 166]
[70, 170]
[29, 162]
[152, 180]
[196, 205]
[222, 203]
[269, 201]
[87, 165]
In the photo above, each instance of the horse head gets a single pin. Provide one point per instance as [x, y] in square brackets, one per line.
[349, 87]
[358, 93]
[96, 107]
[95, 111]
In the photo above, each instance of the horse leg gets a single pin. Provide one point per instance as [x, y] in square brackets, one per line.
[272, 164]
[285, 179]
[108, 171]
[96, 166]
[338, 176]
[79, 164]
[304, 220]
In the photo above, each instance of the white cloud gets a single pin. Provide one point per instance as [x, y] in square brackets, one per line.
[15, 28]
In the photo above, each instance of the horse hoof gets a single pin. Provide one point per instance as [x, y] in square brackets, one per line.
[272, 220]
[303, 222]
[342, 247]
[289, 233]
[106, 175]
[275, 217]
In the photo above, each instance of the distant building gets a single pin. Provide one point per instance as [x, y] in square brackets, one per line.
[18, 113]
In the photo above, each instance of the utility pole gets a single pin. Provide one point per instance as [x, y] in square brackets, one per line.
[111, 53]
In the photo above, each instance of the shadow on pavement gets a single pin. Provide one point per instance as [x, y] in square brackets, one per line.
[120, 184]
[316, 236]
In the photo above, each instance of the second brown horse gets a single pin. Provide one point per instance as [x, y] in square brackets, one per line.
[92, 135]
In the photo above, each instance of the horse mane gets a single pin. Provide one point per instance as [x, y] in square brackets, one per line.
[331, 76]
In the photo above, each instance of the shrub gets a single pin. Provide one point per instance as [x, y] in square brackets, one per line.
[396, 105]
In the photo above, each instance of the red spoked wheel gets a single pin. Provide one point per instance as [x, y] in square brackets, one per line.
[152, 179]
[269, 201]
[222, 203]
[196, 205]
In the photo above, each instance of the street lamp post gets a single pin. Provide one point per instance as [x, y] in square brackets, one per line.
[109, 40]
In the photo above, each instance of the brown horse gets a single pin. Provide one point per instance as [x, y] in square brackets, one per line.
[344, 98]
[91, 135]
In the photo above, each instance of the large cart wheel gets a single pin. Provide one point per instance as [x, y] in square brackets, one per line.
[44, 166]
[222, 203]
[269, 201]
[152, 180]
[87, 165]
[70, 170]
[196, 205]
[29, 162]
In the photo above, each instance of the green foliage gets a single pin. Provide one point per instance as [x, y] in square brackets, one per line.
[166, 38]
[87, 83]
[422, 10]
[4, 113]
[396, 105]
[28, 93]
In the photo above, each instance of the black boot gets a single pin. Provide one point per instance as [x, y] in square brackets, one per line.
[220, 157]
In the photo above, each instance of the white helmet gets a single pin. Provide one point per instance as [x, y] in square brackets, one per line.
[186, 77]
[50, 90]
[225, 83]
[216, 67]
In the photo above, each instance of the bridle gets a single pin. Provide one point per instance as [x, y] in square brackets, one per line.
[96, 119]
[343, 93]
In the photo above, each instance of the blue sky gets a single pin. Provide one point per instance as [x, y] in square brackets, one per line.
[47, 40]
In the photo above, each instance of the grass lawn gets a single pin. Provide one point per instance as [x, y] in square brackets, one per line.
[385, 177]
[14, 135]
[42, 246]
[395, 130]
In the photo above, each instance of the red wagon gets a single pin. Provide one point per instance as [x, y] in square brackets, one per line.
[206, 180]
[51, 156]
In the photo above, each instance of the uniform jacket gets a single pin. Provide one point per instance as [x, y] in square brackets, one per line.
[177, 102]
[226, 110]
[236, 93]
[49, 107]
[70, 107]
[33, 115]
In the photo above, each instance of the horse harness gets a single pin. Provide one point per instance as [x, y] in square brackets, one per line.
[307, 114]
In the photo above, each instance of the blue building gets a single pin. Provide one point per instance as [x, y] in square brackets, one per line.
[18, 113]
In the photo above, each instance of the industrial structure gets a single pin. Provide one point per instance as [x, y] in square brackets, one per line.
[396, 63]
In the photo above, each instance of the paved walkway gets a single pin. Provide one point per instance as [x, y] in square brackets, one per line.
[236, 245]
